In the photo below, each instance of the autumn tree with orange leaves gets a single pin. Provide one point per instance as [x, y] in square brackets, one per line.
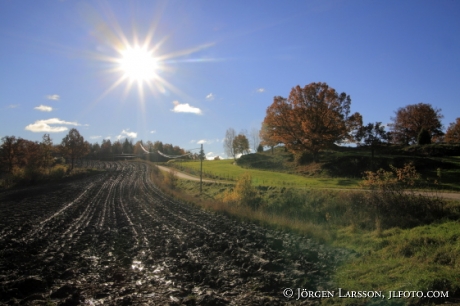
[410, 120]
[312, 118]
[453, 132]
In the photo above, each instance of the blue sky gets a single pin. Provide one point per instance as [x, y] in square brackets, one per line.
[218, 64]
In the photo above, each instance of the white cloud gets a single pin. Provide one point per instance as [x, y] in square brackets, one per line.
[203, 141]
[185, 108]
[44, 108]
[127, 134]
[12, 106]
[44, 125]
[95, 137]
[153, 132]
[210, 97]
[108, 138]
[212, 155]
[260, 90]
[53, 97]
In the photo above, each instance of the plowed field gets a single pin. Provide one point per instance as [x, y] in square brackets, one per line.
[115, 239]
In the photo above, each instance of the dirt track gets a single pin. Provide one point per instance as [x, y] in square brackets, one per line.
[115, 239]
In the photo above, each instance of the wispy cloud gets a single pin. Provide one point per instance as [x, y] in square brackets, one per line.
[13, 106]
[44, 108]
[53, 97]
[95, 137]
[260, 90]
[203, 141]
[185, 108]
[45, 125]
[153, 132]
[210, 97]
[127, 134]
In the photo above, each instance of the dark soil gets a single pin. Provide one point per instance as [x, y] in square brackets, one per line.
[115, 239]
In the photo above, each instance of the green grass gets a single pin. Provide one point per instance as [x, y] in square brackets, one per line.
[422, 258]
[227, 170]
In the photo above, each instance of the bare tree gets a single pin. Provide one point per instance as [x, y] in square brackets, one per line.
[230, 135]
[254, 138]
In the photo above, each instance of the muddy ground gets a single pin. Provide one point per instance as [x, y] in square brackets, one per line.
[115, 239]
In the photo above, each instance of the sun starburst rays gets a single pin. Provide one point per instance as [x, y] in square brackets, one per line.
[136, 58]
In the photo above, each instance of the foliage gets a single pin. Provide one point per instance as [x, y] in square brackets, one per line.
[391, 203]
[260, 148]
[244, 193]
[230, 135]
[46, 148]
[424, 137]
[312, 118]
[240, 145]
[74, 146]
[264, 135]
[372, 134]
[127, 146]
[398, 178]
[20, 153]
[171, 179]
[410, 120]
[10, 156]
[453, 132]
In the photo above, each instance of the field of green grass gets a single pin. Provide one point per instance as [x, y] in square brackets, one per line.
[228, 170]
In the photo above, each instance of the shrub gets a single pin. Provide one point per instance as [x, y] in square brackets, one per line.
[260, 148]
[392, 203]
[171, 179]
[244, 193]
[303, 158]
[58, 172]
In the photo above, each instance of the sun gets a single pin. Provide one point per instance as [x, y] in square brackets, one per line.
[138, 64]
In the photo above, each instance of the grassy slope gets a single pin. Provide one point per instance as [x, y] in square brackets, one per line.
[227, 170]
[339, 168]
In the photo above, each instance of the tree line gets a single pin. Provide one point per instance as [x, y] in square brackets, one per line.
[108, 149]
[19, 153]
[316, 117]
